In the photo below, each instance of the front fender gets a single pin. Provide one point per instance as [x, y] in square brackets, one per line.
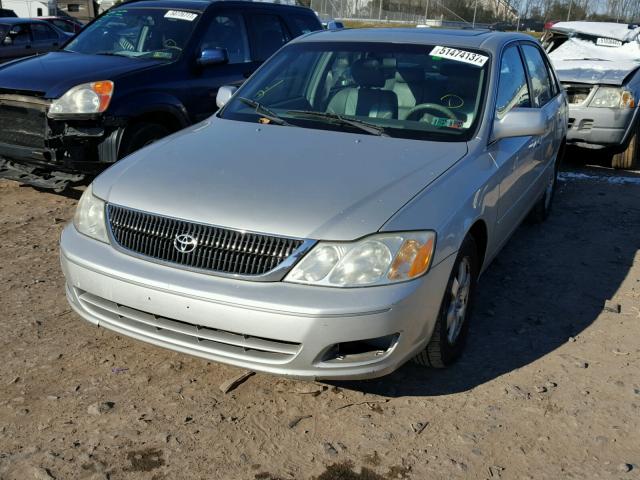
[138, 104]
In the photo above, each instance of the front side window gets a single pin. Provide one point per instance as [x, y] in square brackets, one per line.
[64, 26]
[513, 90]
[268, 35]
[305, 23]
[150, 33]
[228, 31]
[540, 81]
[409, 91]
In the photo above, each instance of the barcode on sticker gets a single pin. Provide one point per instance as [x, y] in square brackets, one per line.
[180, 15]
[608, 42]
[465, 56]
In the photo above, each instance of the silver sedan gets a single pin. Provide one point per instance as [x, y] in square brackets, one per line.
[332, 219]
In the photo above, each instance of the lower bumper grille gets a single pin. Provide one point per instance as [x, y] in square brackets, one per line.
[186, 335]
[22, 123]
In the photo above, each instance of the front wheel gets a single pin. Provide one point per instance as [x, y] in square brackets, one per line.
[630, 158]
[140, 135]
[450, 332]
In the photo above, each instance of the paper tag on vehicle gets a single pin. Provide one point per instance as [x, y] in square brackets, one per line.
[465, 56]
[608, 42]
[180, 15]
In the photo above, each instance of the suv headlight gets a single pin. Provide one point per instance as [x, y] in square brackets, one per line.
[84, 99]
[375, 260]
[89, 218]
[612, 97]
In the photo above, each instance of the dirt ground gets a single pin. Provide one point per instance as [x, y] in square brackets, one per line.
[549, 386]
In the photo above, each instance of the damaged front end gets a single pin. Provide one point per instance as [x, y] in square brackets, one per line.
[52, 153]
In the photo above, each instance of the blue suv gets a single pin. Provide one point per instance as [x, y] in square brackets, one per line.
[137, 73]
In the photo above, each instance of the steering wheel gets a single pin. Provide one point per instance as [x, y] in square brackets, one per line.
[425, 107]
[170, 44]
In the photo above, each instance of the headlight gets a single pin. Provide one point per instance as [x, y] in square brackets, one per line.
[612, 97]
[85, 99]
[375, 260]
[89, 218]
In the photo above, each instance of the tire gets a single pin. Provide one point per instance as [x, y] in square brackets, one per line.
[450, 332]
[630, 158]
[541, 210]
[140, 135]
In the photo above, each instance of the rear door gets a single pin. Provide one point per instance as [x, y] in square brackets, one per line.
[226, 28]
[546, 96]
[44, 37]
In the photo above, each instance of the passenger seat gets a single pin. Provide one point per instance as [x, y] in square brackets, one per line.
[368, 99]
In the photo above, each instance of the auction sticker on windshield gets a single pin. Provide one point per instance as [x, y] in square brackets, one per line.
[460, 55]
[180, 15]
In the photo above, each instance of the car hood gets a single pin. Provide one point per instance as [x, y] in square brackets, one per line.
[285, 181]
[585, 62]
[51, 75]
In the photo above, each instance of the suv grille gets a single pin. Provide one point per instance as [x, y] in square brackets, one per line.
[22, 123]
[206, 247]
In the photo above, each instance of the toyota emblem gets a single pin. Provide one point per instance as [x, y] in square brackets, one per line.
[185, 243]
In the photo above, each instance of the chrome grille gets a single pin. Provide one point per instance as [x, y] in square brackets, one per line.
[196, 339]
[217, 249]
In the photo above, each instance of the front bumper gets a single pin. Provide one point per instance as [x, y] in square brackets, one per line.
[605, 127]
[273, 327]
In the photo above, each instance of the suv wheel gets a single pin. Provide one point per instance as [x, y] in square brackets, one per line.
[140, 135]
[452, 325]
[630, 158]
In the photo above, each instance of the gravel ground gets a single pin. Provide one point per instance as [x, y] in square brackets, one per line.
[549, 386]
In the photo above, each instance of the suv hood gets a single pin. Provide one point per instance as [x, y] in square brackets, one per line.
[583, 61]
[285, 181]
[51, 75]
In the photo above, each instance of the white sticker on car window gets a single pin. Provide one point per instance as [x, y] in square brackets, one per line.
[608, 42]
[465, 56]
[180, 15]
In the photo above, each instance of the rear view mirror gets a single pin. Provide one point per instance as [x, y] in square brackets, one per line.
[520, 122]
[212, 56]
[224, 95]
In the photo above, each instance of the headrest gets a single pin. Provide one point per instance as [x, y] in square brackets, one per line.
[410, 75]
[367, 72]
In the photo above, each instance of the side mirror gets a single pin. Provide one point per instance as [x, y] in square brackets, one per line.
[520, 122]
[213, 56]
[7, 40]
[334, 25]
[224, 95]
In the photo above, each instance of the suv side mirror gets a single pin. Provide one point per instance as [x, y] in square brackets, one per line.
[224, 95]
[520, 122]
[212, 56]
[7, 40]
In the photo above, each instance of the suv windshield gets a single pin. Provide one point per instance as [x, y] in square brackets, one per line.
[156, 33]
[411, 91]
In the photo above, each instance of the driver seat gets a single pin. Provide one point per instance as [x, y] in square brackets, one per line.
[368, 99]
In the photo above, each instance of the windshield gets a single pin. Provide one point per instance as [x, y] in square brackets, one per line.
[156, 33]
[412, 91]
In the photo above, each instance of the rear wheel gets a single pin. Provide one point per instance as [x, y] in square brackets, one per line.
[452, 325]
[140, 135]
[630, 158]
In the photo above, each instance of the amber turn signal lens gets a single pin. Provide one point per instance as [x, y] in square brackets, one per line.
[412, 260]
[104, 90]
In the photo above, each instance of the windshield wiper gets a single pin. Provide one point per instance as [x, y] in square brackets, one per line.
[367, 127]
[265, 111]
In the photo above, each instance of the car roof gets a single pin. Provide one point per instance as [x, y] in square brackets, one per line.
[18, 21]
[471, 38]
[201, 5]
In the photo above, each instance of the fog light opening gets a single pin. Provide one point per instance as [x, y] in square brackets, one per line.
[360, 350]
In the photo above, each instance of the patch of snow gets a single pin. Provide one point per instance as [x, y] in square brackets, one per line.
[619, 31]
[613, 180]
[576, 49]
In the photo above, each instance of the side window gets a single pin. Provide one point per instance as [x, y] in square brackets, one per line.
[20, 35]
[305, 24]
[513, 89]
[227, 30]
[540, 81]
[42, 33]
[268, 35]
